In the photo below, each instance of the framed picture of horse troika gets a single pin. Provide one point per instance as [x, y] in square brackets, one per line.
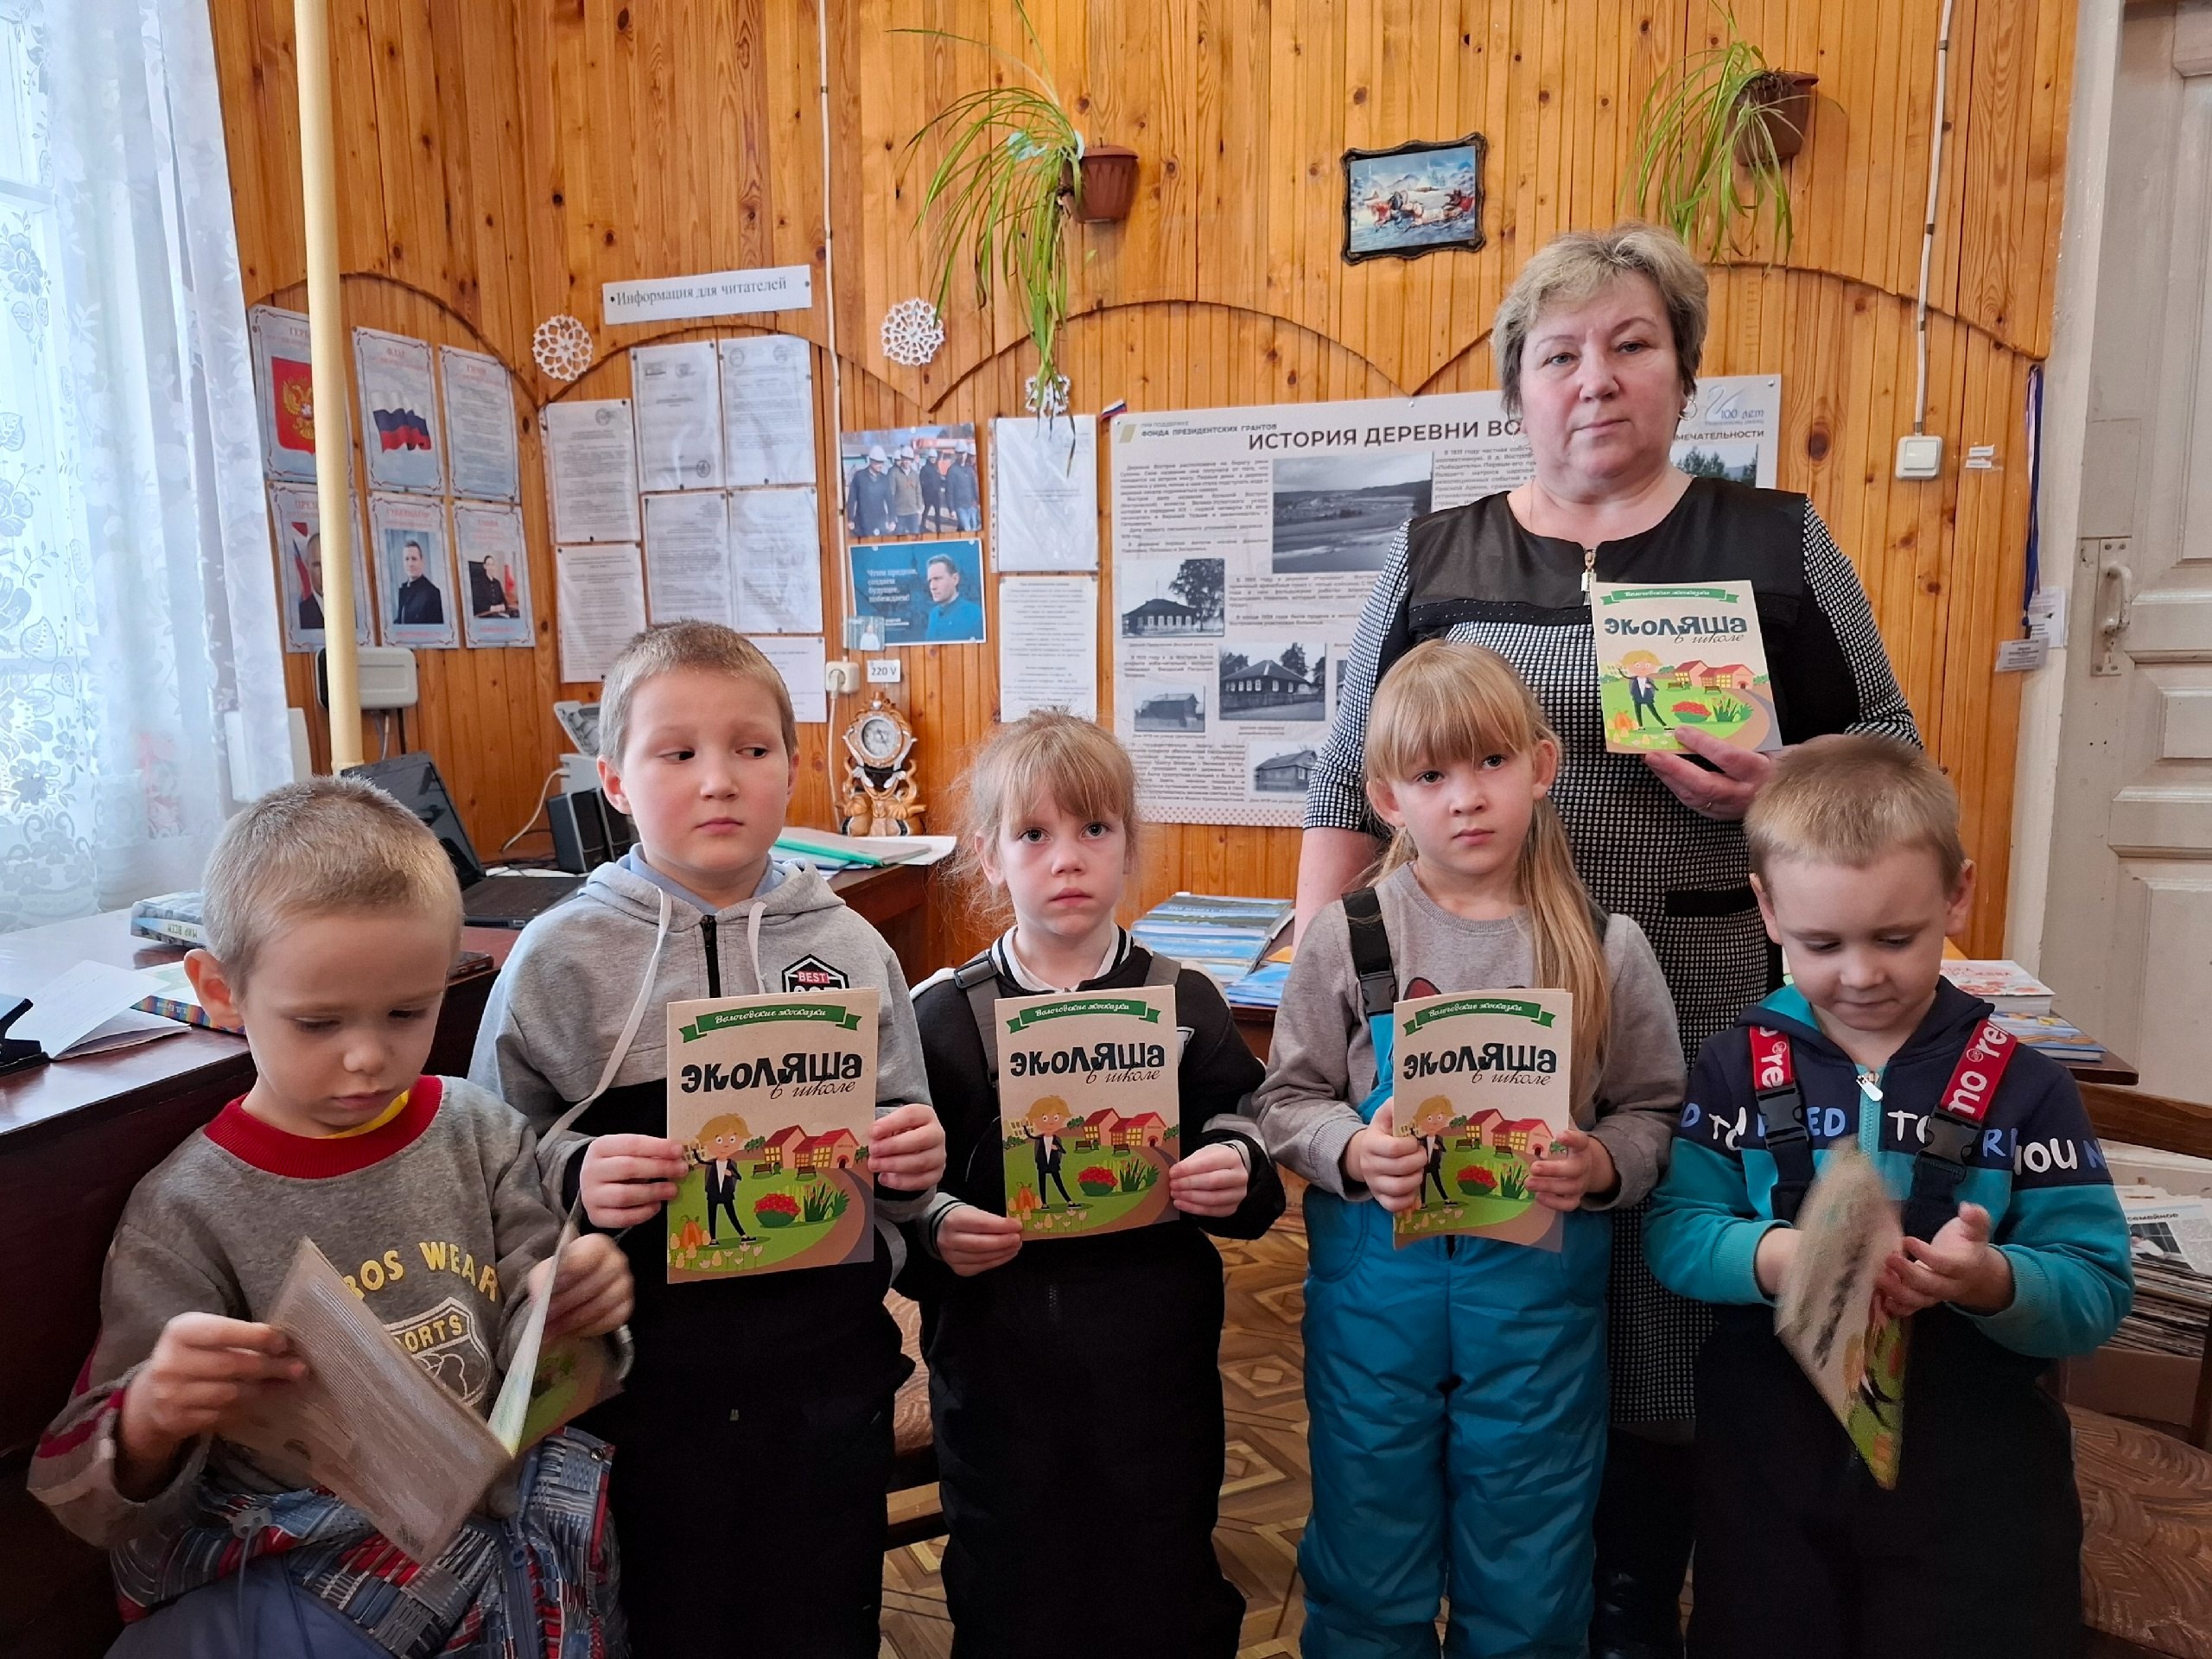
[1414, 199]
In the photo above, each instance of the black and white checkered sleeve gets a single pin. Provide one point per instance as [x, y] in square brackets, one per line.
[1837, 589]
[1336, 794]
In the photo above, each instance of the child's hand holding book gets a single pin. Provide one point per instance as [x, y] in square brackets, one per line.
[971, 1240]
[202, 1368]
[627, 1178]
[594, 1294]
[905, 1149]
[1211, 1181]
[1576, 1166]
[1390, 1165]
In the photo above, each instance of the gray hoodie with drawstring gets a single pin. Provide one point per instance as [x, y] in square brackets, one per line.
[557, 1009]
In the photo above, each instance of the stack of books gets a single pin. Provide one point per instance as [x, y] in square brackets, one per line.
[1223, 937]
[2049, 1034]
[1261, 988]
[170, 918]
[2006, 986]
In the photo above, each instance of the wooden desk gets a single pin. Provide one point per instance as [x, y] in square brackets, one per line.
[1258, 1027]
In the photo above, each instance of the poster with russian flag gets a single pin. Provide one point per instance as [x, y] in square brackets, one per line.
[399, 412]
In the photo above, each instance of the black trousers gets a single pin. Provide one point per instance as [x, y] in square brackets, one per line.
[1079, 1421]
[788, 1560]
[1974, 1554]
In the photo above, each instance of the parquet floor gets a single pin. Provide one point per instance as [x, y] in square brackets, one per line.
[1265, 1496]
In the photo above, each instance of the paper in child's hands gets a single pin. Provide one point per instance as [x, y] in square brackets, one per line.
[1826, 1314]
[548, 1386]
[1675, 658]
[366, 1421]
[1090, 1108]
[1484, 1079]
[773, 1097]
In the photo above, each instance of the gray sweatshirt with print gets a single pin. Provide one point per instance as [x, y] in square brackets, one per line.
[435, 1219]
[1323, 1063]
[557, 1010]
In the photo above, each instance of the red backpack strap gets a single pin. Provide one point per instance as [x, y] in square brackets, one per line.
[1782, 1116]
[1954, 1126]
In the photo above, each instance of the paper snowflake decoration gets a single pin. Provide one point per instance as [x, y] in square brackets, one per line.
[912, 331]
[562, 347]
[1051, 400]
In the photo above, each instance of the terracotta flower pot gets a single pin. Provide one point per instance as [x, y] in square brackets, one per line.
[1784, 102]
[1106, 183]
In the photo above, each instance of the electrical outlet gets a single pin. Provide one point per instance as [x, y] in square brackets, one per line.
[840, 677]
[1920, 454]
[883, 670]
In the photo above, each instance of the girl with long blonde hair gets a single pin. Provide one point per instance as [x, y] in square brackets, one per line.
[1456, 1386]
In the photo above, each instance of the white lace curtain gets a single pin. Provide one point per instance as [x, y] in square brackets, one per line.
[137, 604]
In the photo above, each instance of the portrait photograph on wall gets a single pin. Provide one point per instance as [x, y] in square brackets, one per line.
[916, 593]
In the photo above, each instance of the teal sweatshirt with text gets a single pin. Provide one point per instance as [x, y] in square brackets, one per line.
[2037, 1168]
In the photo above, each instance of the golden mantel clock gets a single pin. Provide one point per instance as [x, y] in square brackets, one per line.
[880, 797]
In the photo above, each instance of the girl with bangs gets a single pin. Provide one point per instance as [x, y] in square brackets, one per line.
[1074, 1382]
[1457, 1386]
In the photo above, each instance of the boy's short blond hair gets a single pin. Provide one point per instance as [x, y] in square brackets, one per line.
[326, 846]
[1853, 798]
[669, 646]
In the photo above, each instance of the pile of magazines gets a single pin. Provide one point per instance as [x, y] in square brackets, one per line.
[1223, 937]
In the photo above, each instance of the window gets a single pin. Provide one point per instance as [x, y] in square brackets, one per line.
[138, 654]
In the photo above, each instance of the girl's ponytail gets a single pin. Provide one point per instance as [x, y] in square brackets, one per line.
[1570, 952]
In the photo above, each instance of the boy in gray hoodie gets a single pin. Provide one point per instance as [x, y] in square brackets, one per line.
[755, 1429]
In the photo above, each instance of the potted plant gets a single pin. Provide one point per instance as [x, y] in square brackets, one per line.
[1013, 173]
[1710, 142]
[1097, 1181]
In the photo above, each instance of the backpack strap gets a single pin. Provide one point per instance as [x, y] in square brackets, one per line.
[1371, 953]
[1781, 1112]
[1164, 970]
[1954, 1126]
[978, 981]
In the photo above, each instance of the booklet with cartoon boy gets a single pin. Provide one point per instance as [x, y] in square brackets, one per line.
[1681, 658]
[368, 1423]
[773, 1097]
[1484, 1081]
[1090, 1114]
[1847, 1229]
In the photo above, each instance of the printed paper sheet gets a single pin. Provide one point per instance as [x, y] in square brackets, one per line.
[677, 391]
[1044, 492]
[767, 410]
[602, 603]
[591, 466]
[481, 425]
[1048, 645]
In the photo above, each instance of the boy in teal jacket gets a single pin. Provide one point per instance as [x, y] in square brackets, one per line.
[2015, 1254]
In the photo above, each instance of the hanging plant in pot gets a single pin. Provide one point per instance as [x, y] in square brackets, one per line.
[1013, 173]
[1710, 144]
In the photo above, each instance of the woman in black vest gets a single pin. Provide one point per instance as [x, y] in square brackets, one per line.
[1597, 345]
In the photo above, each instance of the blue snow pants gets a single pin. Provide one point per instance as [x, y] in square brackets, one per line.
[1457, 1394]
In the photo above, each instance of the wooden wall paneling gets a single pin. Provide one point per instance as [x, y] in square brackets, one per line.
[501, 160]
